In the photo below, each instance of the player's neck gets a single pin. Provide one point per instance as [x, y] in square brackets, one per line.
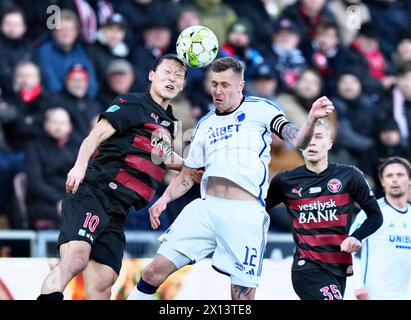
[317, 167]
[160, 100]
[399, 203]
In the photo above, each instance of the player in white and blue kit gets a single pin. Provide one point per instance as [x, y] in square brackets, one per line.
[233, 144]
[386, 255]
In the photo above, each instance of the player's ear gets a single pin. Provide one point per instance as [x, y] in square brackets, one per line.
[151, 75]
[242, 84]
[330, 144]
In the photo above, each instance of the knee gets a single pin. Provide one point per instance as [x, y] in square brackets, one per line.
[154, 274]
[101, 291]
[75, 260]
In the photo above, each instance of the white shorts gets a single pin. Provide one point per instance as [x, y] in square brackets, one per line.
[236, 231]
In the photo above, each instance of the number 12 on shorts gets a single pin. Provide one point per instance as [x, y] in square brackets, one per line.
[250, 254]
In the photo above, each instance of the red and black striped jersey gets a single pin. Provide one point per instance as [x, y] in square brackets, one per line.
[322, 206]
[129, 164]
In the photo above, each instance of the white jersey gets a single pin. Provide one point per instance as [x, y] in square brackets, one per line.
[236, 146]
[386, 254]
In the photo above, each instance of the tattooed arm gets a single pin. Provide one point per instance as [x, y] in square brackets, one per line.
[300, 138]
[242, 293]
[178, 186]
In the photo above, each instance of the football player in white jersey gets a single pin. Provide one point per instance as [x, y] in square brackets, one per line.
[229, 221]
[386, 255]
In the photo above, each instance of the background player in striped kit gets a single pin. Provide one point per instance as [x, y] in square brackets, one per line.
[232, 143]
[386, 255]
[320, 197]
[137, 127]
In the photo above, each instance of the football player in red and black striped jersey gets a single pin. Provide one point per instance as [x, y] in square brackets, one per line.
[320, 198]
[134, 139]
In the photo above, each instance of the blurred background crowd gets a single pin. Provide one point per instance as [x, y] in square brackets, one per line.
[54, 82]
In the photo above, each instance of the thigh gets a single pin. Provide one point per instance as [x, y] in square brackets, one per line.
[241, 240]
[192, 233]
[318, 284]
[108, 248]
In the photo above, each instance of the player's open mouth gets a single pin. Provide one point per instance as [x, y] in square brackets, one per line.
[311, 152]
[170, 87]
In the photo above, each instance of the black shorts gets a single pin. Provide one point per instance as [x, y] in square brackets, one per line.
[318, 284]
[93, 216]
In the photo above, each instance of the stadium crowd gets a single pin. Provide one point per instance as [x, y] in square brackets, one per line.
[56, 81]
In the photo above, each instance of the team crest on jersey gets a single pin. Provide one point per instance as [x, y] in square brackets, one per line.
[113, 108]
[334, 185]
[240, 116]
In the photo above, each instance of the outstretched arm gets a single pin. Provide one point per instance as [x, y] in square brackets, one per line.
[300, 138]
[174, 162]
[101, 132]
[178, 186]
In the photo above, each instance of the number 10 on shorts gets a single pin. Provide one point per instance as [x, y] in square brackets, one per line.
[91, 222]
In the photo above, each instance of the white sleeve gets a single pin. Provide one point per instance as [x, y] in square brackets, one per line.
[357, 276]
[196, 156]
[274, 117]
[359, 219]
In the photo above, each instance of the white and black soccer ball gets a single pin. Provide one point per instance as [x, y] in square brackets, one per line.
[197, 46]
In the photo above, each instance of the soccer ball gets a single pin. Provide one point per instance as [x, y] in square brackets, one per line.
[197, 46]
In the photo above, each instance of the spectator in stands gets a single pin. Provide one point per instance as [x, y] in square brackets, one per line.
[366, 55]
[58, 54]
[37, 18]
[285, 55]
[390, 18]
[83, 109]
[400, 106]
[92, 14]
[47, 162]
[140, 12]
[263, 82]
[216, 15]
[347, 28]
[402, 54]
[325, 54]
[238, 43]
[259, 16]
[157, 41]
[201, 97]
[357, 115]
[10, 160]
[109, 45]
[119, 80]
[388, 144]
[307, 14]
[297, 103]
[14, 47]
[31, 101]
[186, 18]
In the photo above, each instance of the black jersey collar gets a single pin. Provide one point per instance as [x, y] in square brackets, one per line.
[168, 110]
[329, 166]
[218, 113]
